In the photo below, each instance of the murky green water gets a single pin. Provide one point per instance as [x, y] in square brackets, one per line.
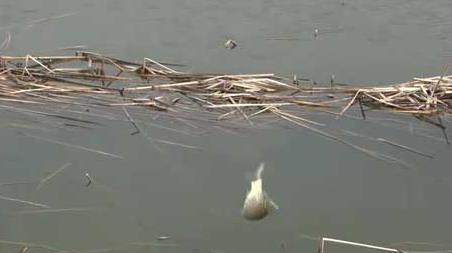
[195, 195]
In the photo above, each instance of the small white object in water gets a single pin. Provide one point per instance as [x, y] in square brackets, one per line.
[162, 238]
[257, 203]
[89, 179]
[230, 44]
[316, 33]
[295, 80]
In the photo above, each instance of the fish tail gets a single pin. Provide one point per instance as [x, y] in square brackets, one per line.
[272, 204]
[260, 170]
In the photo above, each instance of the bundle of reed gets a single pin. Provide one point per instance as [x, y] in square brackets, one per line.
[422, 96]
[115, 82]
[94, 80]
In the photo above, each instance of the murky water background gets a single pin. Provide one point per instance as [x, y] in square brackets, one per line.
[195, 196]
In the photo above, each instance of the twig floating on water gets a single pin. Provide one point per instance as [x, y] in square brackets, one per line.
[27, 111]
[43, 20]
[174, 143]
[406, 243]
[309, 237]
[16, 183]
[361, 108]
[77, 47]
[30, 245]
[327, 135]
[137, 129]
[90, 180]
[230, 44]
[62, 210]
[44, 180]
[162, 238]
[405, 147]
[74, 146]
[316, 33]
[6, 42]
[443, 129]
[362, 245]
[153, 244]
[24, 202]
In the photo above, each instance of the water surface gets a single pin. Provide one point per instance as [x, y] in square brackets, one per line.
[322, 188]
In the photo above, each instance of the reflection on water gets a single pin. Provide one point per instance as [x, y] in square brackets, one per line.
[153, 188]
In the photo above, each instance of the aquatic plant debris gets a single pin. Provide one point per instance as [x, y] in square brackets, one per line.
[387, 248]
[323, 241]
[51, 175]
[162, 238]
[230, 44]
[89, 179]
[73, 146]
[24, 202]
[30, 245]
[89, 82]
[54, 211]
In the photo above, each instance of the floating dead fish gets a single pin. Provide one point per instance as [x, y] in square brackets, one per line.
[257, 204]
[230, 44]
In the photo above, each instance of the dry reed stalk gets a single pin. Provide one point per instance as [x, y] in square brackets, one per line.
[30, 245]
[50, 176]
[356, 244]
[69, 145]
[6, 42]
[137, 129]
[16, 183]
[93, 80]
[21, 201]
[56, 211]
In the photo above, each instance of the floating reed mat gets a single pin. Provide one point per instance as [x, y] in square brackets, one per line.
[93, 80]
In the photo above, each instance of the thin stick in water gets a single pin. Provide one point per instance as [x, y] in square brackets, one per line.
[177, 144]
[24, 202]
[405, 147]
[74, 146]
[77, 47]
[443, 129]
[361, 108]
[6, 42]
[153, 244]
[30, 245]
[16, 183]
[371, 153]
[362, 245]
[53, 174]
[61, 210]
[137, 129]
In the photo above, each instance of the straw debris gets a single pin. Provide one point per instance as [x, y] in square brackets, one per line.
[92, 80]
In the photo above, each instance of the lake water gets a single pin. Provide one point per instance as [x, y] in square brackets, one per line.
[323, 188]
